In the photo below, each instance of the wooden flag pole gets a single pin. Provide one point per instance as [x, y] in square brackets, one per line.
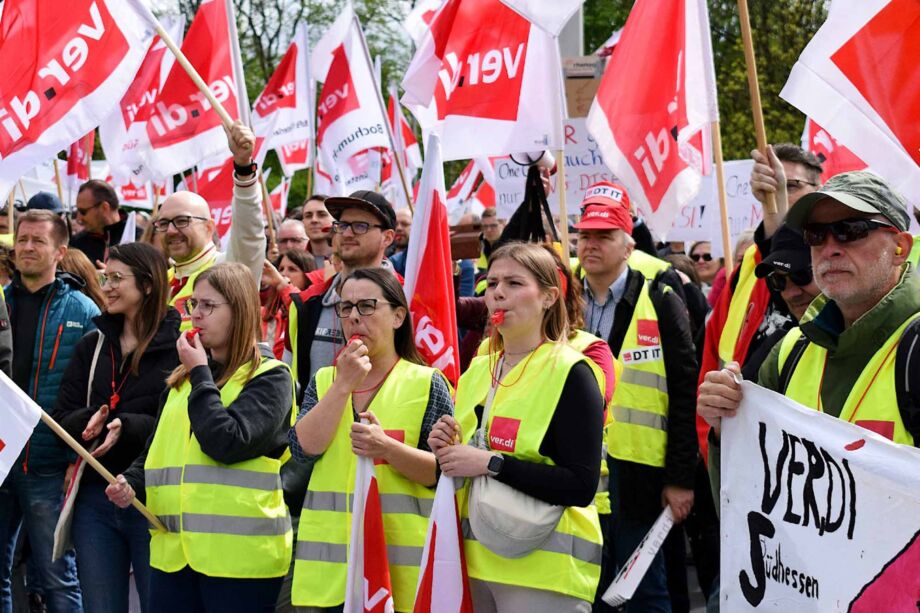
[754, 88]
[102, 470]
[267, 210]
[563, 211]
[156, 200]
[57, 180]
[10, 205]
[723, 197]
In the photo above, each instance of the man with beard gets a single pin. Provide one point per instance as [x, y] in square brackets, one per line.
[401, 240]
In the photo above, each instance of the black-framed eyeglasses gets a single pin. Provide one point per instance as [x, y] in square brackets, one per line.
[112, 279]
[844, 231]
[206, 306]
[776, 280]
[365, 307]
[180, 222]
[706, 257]
[793, 185]
[358, 227]
[85, 212]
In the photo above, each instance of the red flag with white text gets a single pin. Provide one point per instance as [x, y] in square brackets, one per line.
[215, 184]
[294, 157]
[429, 274]
[63, 71]
[859, 78]
[120, 147]
[834, 157]
[487, 82]
[443, 584]
[368, 588]
[78, 158]
[652, 114]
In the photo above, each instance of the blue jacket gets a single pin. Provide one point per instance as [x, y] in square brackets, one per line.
[66, 315]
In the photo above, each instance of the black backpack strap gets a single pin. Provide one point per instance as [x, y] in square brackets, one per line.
[907, 378]
[792, 360]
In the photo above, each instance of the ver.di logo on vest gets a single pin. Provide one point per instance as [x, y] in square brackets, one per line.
[503, 433]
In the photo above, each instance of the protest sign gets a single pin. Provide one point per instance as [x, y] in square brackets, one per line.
[817, 514]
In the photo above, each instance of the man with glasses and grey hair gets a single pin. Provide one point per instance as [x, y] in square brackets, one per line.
[186, 228]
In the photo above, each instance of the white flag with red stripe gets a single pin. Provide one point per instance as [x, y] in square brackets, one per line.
[463, 186]
[430, 271]
[443, 585]
[279, 196]
[859, 77]
[406, 143]
[20, 416]
[652, 114]
[181, 128]
[368, 588]
[419, 19]
[282, 112]
[64, 68]
[487, 82]
[834, 157]
[120, 148]
[349, 117]
[78, 158]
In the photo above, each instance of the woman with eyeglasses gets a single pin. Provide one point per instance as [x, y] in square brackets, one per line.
[379, 401]
[211, 472]
[707, 267]
[108, 400]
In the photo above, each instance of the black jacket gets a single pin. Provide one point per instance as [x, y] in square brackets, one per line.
[6, 339]
[641, 484]
[95, 245]
[138, 396]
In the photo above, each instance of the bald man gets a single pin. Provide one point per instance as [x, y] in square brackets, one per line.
[292, 236]
[185, 224]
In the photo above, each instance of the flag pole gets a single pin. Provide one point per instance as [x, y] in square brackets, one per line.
[89, 157]
[563, 211]
[723, 197]
[10, 205]
[754, 88]
[156, 200]
[102, 470]
[57, 180]
[389, 128]
[267, 208]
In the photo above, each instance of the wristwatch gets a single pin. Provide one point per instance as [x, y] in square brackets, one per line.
[495, 464]
[246, 170]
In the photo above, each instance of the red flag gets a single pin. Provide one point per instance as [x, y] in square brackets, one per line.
[486, 81]
[443, 585]
[859, 78]
[294, 157]
[835, 158]
[64, 70]
[432, 301]
[78, 158]
[654, 106]
[368, 586]
[279, 196]
[462, 188]
[215, 184]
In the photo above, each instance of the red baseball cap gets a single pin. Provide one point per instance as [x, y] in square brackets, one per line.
[605, 207]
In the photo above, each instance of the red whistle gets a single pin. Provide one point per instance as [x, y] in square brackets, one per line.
[327, 230]
[354, 337]
[191, 334]
[498, 317]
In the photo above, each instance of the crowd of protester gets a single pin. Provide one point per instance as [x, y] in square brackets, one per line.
[231, 390]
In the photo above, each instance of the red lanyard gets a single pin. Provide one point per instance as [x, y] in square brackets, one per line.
[114, 399]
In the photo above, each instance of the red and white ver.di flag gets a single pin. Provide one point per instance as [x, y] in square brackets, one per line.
[368, 588]
[652, 114]
[281, 114]
[443, 585]
[349, 117]
[859, 78]
[20, 416]
[63, 71]
[279, 196]
[429, 271]
[835, 158]
[462, 188]
[420, 17]
[294, 157]
[487, 82]
[78, 159]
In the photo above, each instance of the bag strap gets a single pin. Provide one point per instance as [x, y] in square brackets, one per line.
[92, 366]
[792, 360]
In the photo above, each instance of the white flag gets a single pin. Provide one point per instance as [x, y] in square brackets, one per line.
[20, 416]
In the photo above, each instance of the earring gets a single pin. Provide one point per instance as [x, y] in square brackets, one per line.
[898, 251]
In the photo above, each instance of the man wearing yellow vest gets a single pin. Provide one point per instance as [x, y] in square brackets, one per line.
[855, 330]
[652, 451]
[184, 222]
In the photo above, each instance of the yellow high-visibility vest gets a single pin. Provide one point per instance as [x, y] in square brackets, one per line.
[739, 306]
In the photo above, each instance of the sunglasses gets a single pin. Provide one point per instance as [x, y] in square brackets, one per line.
[776, 281]
[844, 231]
[706, 257]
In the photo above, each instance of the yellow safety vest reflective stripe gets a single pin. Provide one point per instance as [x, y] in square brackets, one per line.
[178, 301]
[321, 552]
[224, 520]
[569, 563]
[648, 265]
[639, 432]
[914, 256]
[738, 307]
[873, 397]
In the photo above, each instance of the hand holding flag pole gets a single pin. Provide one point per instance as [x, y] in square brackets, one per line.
[754, 88]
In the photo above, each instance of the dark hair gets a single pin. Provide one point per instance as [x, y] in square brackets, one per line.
[301, 259]
[684, 264]
[58, 227]
[317, 197]
[490, 212]
[102, 192]
[149, 269]
[787, 152]
[404, 337]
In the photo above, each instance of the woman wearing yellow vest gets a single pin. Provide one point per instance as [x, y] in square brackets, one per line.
[211, 473]
[378, 401]
[544, 433]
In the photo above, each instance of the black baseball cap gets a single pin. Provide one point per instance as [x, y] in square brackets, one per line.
[45, 201]
[788, 254]
[366, 200]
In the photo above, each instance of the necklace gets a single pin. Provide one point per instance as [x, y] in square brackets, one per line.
[496, 372]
